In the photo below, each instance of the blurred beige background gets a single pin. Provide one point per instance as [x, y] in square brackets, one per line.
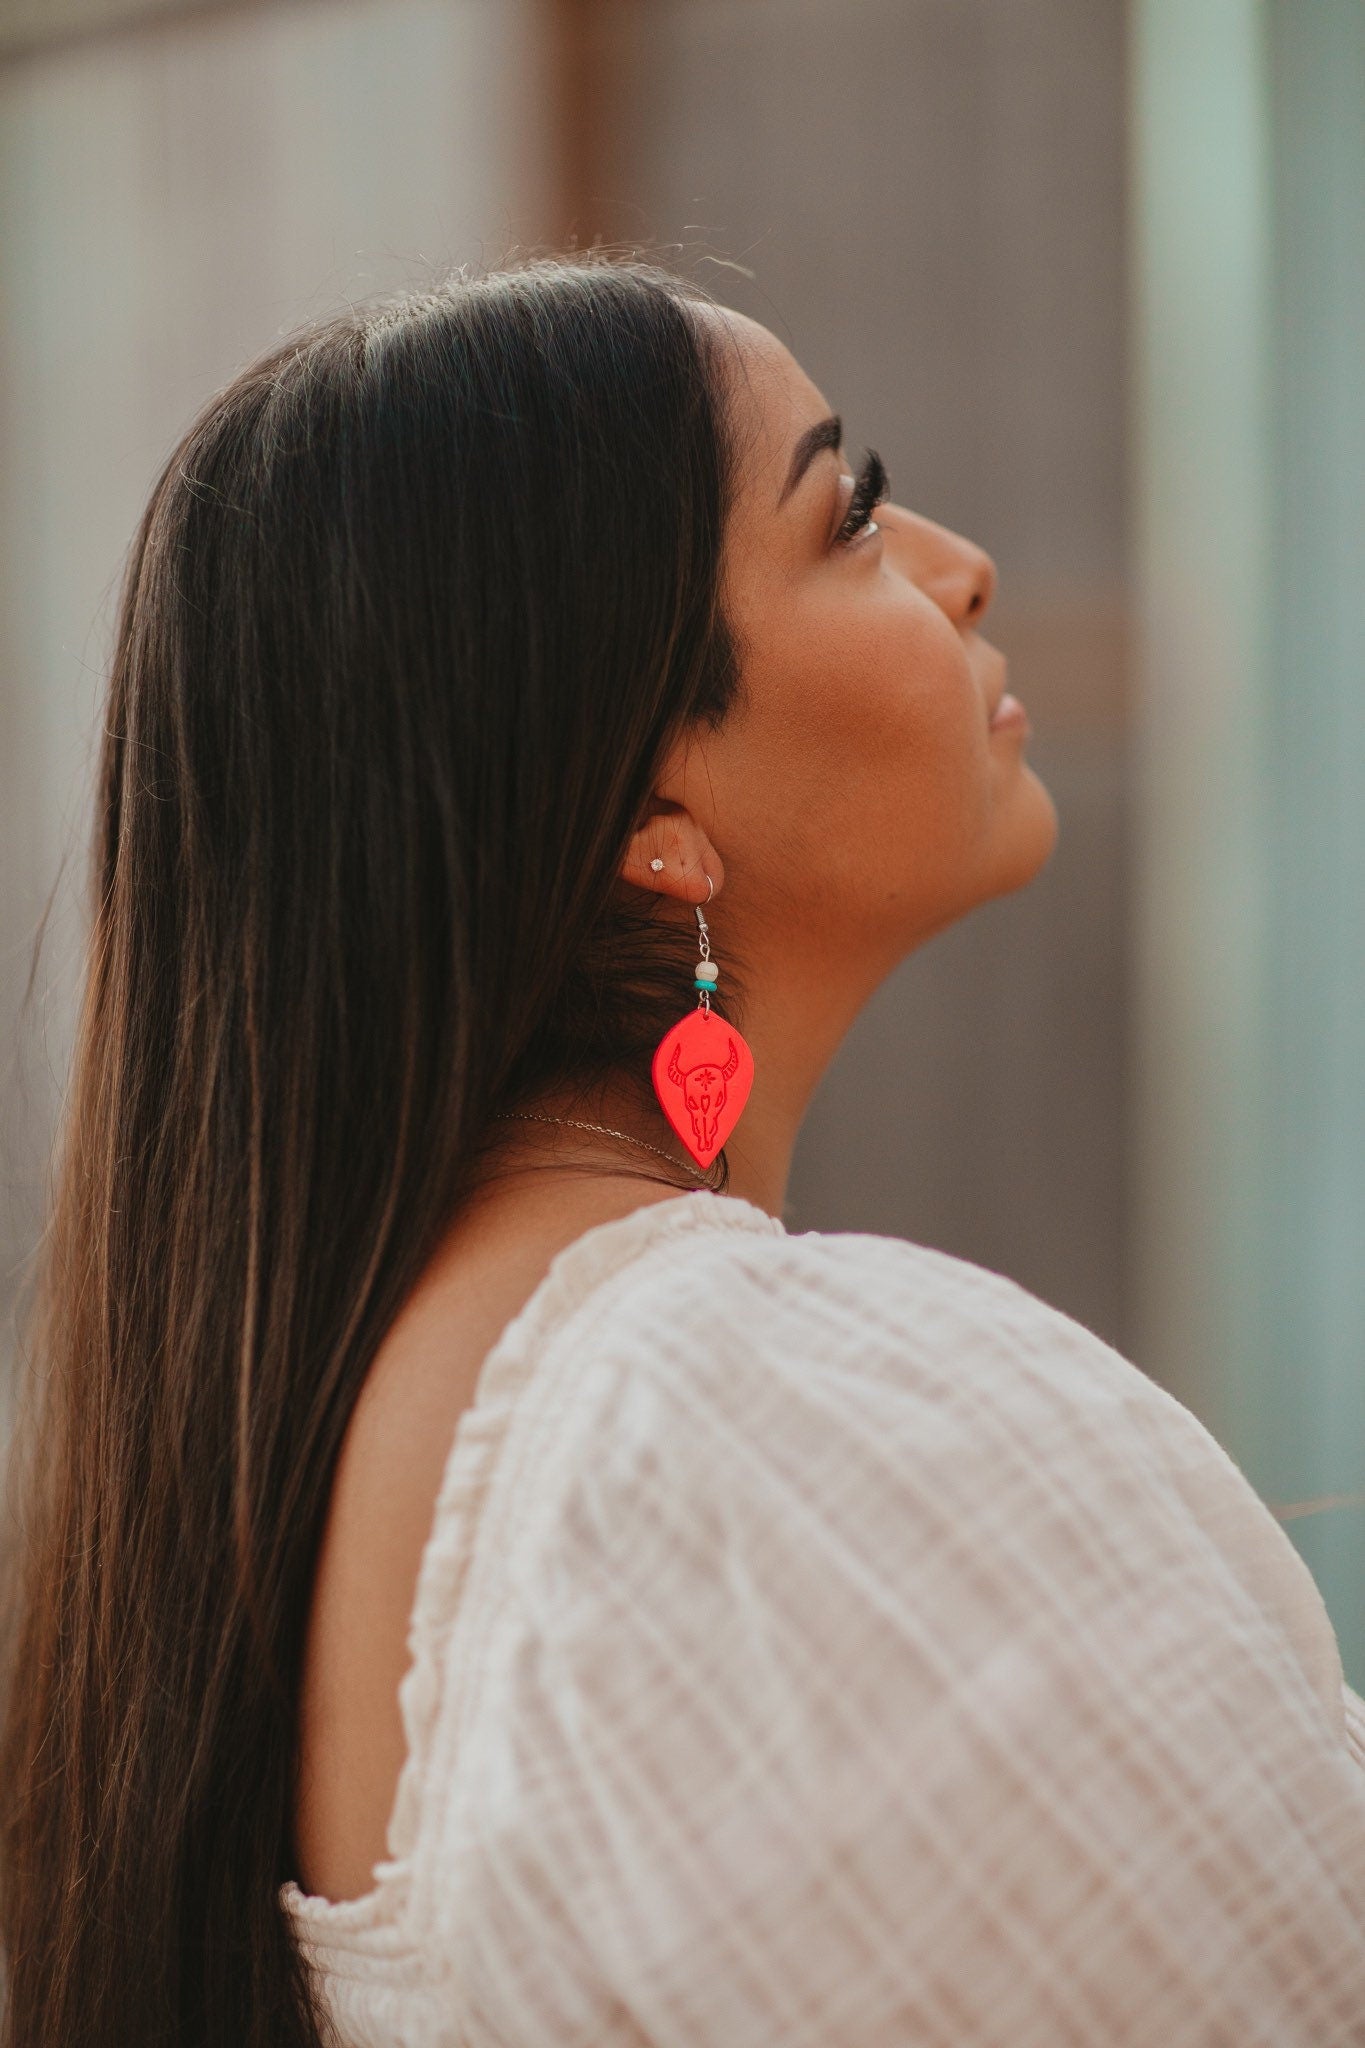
[1087, 273]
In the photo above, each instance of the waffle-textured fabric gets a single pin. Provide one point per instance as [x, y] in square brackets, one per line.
[821, 1640]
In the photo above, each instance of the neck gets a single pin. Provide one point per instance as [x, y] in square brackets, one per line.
[793, 1030]
[793, 1024]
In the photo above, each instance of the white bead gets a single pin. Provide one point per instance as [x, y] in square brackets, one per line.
[707, 970]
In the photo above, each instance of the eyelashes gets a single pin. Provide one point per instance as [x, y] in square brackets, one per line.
[869, 489]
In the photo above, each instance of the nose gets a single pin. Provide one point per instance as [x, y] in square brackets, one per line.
[958, 575]
[968, 583]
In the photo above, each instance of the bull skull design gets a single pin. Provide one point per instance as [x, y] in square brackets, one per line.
[704, 1091]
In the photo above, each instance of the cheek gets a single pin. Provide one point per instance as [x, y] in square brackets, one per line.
[869, 751]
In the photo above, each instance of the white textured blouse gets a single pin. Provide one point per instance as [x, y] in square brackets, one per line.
[821, 1640]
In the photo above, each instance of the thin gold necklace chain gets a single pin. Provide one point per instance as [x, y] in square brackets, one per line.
[535, 1116]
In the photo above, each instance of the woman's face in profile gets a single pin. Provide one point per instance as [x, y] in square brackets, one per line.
[859, 781]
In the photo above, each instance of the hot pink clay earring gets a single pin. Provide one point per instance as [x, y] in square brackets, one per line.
[702, 1069]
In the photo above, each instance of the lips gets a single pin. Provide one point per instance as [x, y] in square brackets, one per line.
[997, 695]
[1009, 712]
[1001, 708]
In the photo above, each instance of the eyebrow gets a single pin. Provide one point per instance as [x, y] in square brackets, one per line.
[826, 433]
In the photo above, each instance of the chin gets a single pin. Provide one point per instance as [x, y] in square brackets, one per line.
[1032, 839]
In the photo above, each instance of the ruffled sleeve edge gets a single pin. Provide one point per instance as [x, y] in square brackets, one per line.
[376, 1919]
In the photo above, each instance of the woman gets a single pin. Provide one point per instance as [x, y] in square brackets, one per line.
[486, 1580]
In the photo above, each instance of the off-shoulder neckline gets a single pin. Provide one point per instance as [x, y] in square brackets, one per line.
[373, 1921]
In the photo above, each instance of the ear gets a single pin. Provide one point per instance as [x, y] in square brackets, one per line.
[668, 832]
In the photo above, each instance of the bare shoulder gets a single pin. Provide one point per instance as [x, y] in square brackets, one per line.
[380, 1513]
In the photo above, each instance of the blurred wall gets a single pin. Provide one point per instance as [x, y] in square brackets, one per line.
[1248, 436]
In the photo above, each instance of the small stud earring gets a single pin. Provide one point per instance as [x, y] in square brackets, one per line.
[656, 864]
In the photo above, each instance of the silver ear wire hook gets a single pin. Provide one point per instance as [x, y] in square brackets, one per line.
[701, 921]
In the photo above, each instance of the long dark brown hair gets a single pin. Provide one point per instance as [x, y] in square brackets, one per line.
[416, 607]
